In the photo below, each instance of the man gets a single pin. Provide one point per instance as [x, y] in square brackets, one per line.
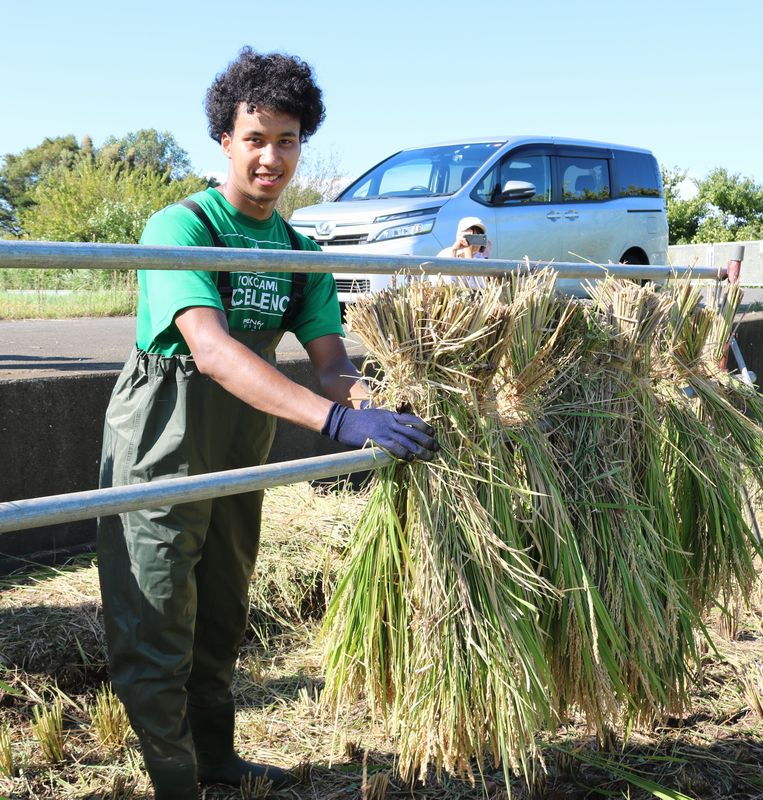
[199, 394]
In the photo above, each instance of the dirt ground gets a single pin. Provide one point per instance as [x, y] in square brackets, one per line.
[52, 649]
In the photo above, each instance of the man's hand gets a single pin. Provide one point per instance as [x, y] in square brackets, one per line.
[403, 435]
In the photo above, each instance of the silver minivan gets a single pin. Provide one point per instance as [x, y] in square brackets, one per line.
[547, 198]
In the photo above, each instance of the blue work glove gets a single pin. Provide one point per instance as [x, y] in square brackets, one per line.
[404, 435]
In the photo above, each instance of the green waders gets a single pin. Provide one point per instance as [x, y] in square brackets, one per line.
[174, 580]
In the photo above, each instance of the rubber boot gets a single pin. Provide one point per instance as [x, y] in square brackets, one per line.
[212, 731]
[173, 782]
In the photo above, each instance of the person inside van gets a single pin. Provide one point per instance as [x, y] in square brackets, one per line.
[471, 241]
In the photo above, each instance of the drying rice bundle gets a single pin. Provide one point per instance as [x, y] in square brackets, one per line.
[436, 616]
[545, 347]
[607, 432]
[713, 449]
[584, 512]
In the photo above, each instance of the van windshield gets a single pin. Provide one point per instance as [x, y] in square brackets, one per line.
[425, 172]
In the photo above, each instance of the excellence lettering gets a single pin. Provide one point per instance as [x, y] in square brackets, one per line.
[259, 300]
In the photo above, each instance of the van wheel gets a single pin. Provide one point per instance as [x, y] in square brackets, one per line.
[635, 258]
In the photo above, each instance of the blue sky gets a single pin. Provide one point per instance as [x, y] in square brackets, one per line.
[684, 79]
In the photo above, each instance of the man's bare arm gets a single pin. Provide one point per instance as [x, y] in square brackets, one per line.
[243, 373]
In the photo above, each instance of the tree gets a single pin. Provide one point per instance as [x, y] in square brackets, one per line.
[734, 207]
[317, 180]
[148, 149]
[100, 202]
[727, 207]
[22, 171]
[684, 215]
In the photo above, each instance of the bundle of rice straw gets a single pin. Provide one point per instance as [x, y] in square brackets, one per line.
[607, 435]
[586, 510]
[713, 446]
[436, 618]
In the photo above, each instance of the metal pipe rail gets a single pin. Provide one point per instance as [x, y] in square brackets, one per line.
[79, 255]
[19, 515]
[56, 509]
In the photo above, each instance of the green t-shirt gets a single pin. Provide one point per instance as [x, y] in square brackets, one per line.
[259, 298]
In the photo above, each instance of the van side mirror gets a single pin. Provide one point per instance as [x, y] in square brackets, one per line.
[516, 190]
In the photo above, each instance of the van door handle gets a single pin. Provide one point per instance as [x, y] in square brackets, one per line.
[553, 216]
[571, 215]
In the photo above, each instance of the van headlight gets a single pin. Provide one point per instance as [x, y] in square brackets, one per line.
[407, 229]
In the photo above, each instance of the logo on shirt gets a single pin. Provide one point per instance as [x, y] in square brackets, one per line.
[259, 293]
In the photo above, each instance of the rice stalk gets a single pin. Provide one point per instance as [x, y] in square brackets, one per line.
[122, 788]
[752, 686]
[713, 450]
[255, 788]
[48, 729]
[7, 763]
[545, 344]
[109, 719]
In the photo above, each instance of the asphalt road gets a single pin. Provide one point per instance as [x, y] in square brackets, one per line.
[44, 348]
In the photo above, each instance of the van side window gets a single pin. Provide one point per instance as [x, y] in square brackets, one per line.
[584, 178]
[636, 175]
[530, 169]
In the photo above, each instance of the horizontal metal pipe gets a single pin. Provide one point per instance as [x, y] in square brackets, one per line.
[79, 255]
[32, 513]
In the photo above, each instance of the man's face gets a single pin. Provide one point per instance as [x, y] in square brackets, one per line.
[263, 151]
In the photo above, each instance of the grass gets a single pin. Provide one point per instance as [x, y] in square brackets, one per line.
[50, 305]
[51, 646]
[66, 293]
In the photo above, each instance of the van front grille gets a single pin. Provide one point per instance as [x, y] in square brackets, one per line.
[353, 285]
[338, 241]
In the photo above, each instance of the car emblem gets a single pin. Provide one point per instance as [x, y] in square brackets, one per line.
[324, 228]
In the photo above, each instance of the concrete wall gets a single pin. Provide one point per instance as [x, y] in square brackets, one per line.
[50, 443]
[750, 339]
[717, 255]
[50, 440]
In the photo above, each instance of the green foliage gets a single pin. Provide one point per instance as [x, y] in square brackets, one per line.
[21, 172]
[727, 207]
[736, 197]
[683, 215]
[100, 202]
[96, 201]
[69, 192]
[317, 180]
[148, 149]
[735, 207]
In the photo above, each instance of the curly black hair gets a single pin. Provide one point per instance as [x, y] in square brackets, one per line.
[275, 81]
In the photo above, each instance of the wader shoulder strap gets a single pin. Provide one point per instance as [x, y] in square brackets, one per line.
[223, 278]
[298, 283]
[298, 280]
